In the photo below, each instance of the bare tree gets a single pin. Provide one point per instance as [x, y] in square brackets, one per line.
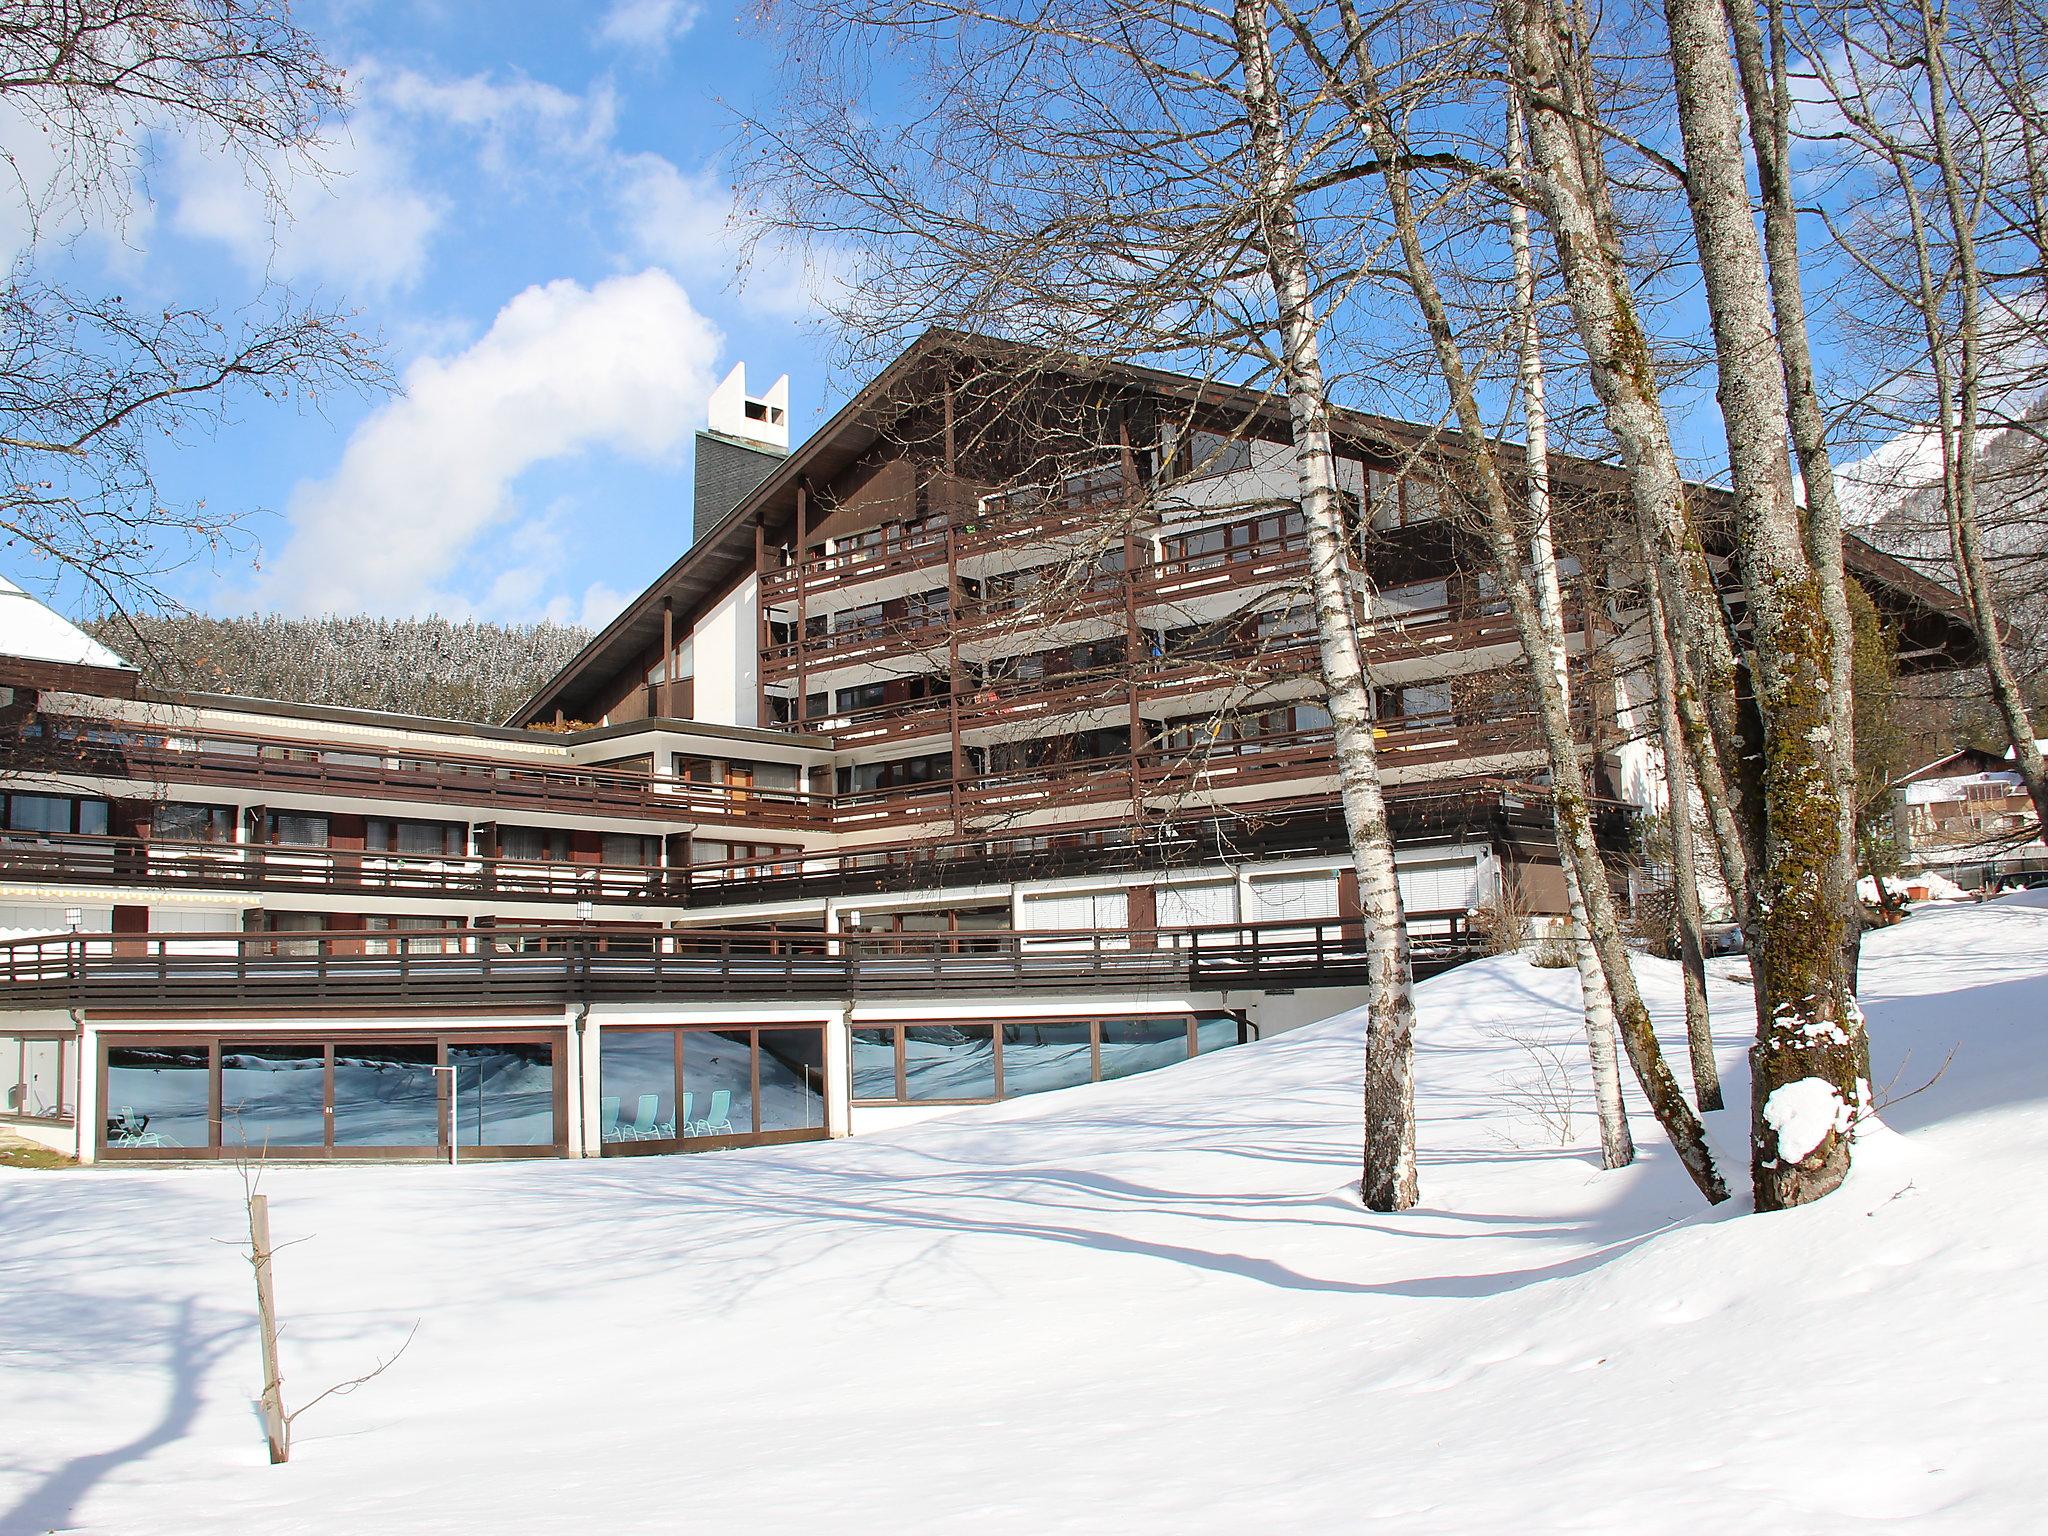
[1939, 111]
[1542, 644]
[91, 385]
[1110, 182]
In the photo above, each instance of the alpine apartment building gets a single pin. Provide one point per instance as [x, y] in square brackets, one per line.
[972, 748]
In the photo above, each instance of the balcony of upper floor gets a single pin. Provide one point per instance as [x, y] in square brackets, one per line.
[130, 755]
[1417, 632]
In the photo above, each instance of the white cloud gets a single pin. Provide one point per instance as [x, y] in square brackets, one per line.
[646, 24]
[624, 366]
[518, 121]
[690, 222]
[359, 221]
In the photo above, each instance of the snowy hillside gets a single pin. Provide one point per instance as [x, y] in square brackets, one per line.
[1142, 1306]
[453, 670]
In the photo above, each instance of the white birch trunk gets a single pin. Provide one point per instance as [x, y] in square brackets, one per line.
[1388, 1181]
[1617, 1147]
[1568, 788]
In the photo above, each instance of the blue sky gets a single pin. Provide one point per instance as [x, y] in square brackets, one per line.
[529, 205]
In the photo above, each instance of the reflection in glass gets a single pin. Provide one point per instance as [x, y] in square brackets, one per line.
[157, 1095]
[505, 1094]
[11, 1092]
[1038, 1057]
[42, 1079]
[385, 1096]
[874, 1063]
[637, 1078]
[1141, 1044]
[1213, 1031]
[272, 1096]
[949, 1061]
[792, 1079]
[718, 1082]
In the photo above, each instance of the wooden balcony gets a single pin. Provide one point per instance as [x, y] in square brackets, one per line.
[98, 750]
[551, 968]
[1170, 775]
[72, 859]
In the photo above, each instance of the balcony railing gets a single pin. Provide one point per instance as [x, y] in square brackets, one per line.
[170, 865]
[1397, 637]
[1297, 828]
[1160, 772]
[100, 751]
[558, 967]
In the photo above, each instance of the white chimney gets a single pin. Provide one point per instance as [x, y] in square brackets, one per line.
[762, 419]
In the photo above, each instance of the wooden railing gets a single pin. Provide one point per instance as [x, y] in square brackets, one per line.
[215, 758]
[1283, 829]
[558, 967]
[165, 864]
[1397, 638]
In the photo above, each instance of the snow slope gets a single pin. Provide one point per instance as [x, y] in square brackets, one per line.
[1142, 1306]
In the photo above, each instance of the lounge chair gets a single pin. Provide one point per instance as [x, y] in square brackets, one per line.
[718, 1121]
[125, 1128]
[608, 1119]
[643, 1126]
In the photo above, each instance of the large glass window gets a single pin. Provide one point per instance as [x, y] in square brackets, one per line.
[504, 1093]
[416, 837]
[958, 1062]
[272, 1096]
[1139, 1044]
[792, 1065]
[1214, 1031]
[949, 1061]
[295, 829]
[36, 1077]
[718, 1083]
[1047, 1054]
[385, 1095]
[158, 1095]
[56, 813]
[178, 823]
[637, 1085]
[874, 1064]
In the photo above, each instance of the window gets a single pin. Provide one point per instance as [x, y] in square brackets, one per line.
[932, 768]
[631, 849]
[180, 823]
[866, 696]
[937, 1062]
[664, 1089]
[1405, 502]
[293, 829]
[401, 927]
[56, 814]
[1214, 453]
[415, 837]
[37, 1077]
[532, 845]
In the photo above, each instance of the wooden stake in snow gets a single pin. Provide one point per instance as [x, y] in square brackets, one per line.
[275, 1425]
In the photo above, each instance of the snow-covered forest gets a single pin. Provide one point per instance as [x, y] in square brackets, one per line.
[452, 669]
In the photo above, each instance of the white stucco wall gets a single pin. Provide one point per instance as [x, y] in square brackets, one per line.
[727, 646]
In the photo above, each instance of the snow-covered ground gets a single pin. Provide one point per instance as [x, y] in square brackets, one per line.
[1142, 1306]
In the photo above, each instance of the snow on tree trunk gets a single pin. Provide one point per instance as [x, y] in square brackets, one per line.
[1388, 1182]
[1809, 1029]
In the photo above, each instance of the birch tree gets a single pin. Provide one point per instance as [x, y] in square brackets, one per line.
[1540, 636]
[1122, 182]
